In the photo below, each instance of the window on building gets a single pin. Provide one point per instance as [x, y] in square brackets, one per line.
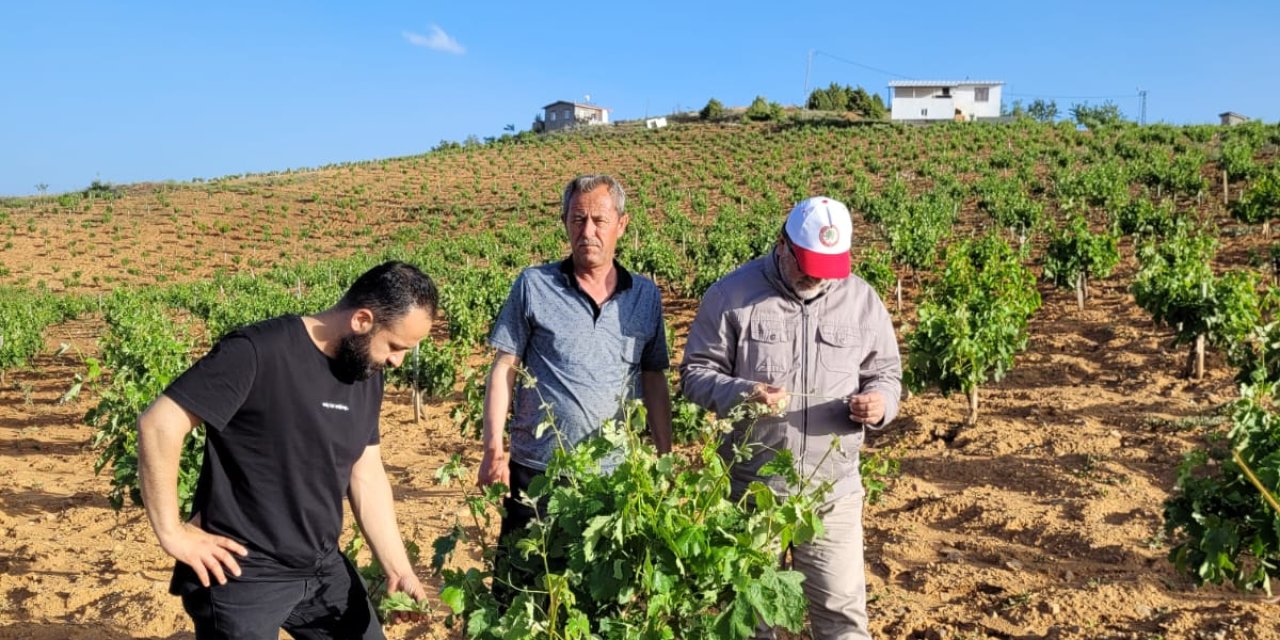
[924, 112]
[567, 115]
[553, 116]
[981, 94]
[946, 92]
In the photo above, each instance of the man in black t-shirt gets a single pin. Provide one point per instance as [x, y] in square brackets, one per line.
[291, 405]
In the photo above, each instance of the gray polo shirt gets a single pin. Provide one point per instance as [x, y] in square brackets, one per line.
[586, 358]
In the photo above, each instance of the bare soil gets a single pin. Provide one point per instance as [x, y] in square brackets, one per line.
[1044, 520]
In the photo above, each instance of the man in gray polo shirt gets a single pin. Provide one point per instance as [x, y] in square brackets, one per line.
[590, 332]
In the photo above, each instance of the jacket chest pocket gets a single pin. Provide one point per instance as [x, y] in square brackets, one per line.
[839, 348]
[770, 353]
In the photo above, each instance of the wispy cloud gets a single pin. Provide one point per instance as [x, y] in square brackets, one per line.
[437, 40]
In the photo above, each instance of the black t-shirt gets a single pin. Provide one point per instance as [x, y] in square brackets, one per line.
[284, 432]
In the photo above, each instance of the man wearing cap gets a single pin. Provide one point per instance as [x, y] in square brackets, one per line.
[592, 337]
[793, 329]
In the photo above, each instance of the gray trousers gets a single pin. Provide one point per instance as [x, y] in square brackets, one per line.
[834, 580]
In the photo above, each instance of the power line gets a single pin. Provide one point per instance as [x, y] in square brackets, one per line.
[1041, 95]
[859, 64]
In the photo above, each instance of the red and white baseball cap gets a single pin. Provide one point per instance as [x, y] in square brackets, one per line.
[821, 231]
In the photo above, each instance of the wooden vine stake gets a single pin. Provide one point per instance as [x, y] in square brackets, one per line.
[1253, 479]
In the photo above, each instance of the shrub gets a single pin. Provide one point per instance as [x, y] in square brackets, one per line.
[763, 110]
[713, 111]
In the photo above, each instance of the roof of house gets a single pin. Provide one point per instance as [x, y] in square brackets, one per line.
[577, 104]
[1231, 113]
[943, 83]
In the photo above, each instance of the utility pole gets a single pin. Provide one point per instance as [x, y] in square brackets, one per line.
[1142, 108]
[804, 101]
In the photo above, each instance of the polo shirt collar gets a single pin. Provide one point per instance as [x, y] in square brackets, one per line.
[624, 283]
[624, 276]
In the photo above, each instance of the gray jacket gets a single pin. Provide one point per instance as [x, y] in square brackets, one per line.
[751, 328]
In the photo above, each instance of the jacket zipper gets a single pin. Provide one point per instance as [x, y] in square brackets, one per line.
[804, 380]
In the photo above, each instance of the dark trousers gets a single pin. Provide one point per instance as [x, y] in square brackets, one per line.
[513, 573]
[333, 605]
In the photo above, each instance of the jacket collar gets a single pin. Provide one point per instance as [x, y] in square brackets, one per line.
[773, 275]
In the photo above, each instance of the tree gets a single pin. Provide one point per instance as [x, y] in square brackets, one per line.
[1102, 115]
[845, 98]
[713, 111]
[868, 105]
[761, 109]
[1042, 111]
[1015, 111]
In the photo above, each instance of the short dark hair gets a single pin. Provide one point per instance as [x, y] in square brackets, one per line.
[390, 290]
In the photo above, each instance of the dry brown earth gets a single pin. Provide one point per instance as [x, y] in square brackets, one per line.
[1042, 521]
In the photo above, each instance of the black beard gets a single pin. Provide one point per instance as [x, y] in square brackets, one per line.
[353, 361]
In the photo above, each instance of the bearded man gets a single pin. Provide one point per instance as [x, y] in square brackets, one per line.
[291, 405]
[796, 331]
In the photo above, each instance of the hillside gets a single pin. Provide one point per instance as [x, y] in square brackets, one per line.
[1042, 520]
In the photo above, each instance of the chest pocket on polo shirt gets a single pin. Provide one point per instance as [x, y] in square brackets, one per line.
[629, 347]
[770, 349]
[839, 347]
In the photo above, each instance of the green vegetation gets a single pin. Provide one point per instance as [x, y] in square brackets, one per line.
[1093, 117]
[24, 315]
[959, 210]
[1177, 286]
[845, 98]
[1075, 255]
[763, 110]
[713, 111]
[973, 320]
[657, 549]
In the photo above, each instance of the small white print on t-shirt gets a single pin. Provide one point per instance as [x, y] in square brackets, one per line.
[335, 406]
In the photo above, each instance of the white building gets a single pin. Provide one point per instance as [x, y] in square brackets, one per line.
[564, 114]
[1231, 118]
[930, 100]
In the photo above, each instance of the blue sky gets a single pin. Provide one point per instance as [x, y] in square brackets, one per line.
[133, 91]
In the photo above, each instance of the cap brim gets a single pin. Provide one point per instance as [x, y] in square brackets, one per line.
[822, 265]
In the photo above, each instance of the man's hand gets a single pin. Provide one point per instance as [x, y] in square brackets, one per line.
[494, 467]
[204, 552]
[775, 398]
[867, 408]
[409, 584]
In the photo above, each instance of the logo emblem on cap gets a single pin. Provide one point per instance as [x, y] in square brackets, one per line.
[829, 236]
